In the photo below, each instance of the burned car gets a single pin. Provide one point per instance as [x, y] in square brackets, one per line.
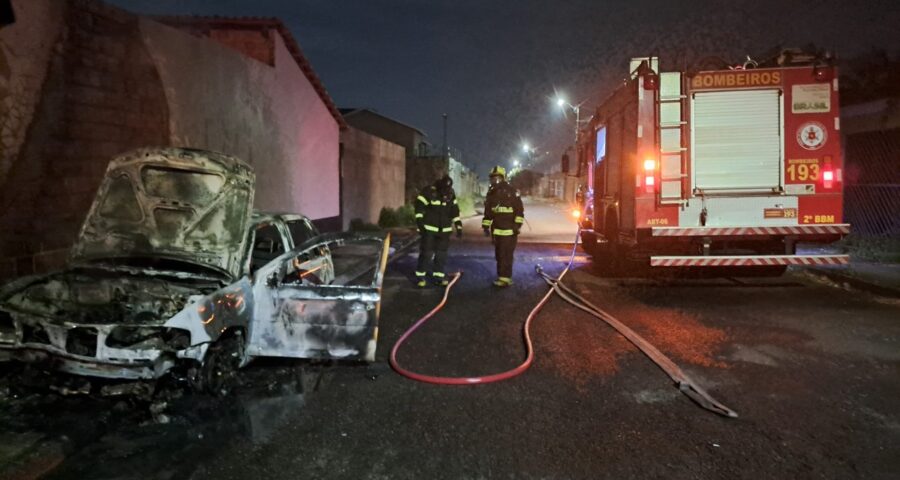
[173, 271]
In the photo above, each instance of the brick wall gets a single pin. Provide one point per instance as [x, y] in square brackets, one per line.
[100, 95]
[81, 82]
[251, 42]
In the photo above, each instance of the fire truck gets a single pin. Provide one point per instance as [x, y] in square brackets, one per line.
[726, 167]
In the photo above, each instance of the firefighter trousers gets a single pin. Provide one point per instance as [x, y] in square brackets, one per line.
[432, 254]
[504, 248]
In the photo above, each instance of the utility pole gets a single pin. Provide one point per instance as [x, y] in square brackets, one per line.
[444, 151]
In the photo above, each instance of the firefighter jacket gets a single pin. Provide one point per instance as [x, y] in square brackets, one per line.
[503, 210]
[436, 211]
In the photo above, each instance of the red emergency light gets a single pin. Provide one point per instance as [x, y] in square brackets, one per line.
[827, 173]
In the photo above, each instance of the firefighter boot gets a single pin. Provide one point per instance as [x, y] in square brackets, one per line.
[439, 279]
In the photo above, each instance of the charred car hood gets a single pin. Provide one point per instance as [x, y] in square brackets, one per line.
[190, 206]
[80, 296]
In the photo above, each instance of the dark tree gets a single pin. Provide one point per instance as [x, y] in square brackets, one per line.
[870, 76]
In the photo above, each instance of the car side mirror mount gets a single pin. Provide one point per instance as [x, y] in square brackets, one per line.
[272, 280]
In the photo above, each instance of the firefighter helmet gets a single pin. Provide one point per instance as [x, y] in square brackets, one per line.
[444, 182]
[498, 171]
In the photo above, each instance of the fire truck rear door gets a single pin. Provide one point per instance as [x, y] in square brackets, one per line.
[736, 141]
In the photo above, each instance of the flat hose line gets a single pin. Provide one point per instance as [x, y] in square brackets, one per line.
[682, 381]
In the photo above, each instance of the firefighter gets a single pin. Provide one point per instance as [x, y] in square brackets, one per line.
[503, 217]
[437, 215]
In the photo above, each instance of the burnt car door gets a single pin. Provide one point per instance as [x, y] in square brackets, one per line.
[319, 262]
[297, 315]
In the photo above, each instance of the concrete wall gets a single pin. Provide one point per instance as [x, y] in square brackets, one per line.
[465, 181]
[270, 117]
[423, 171]
[374, 174]
[559, 185]
[552, 185]
[387, 129]
[81, 81]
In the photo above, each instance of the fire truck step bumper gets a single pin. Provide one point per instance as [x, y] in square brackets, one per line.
[746, 260]
[823, 229]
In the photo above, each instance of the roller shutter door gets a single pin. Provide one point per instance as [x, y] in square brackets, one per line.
[736, 141]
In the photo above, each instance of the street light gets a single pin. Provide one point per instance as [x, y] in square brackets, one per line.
[562, 103]
[529, 153]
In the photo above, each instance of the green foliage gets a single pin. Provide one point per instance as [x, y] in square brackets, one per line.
[876, 249]
[525, 181]
[466, 205]
[872, 75]
[404, 216]
[357, 225]
[388, 218]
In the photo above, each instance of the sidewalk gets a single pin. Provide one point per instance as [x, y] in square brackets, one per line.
[878, 278]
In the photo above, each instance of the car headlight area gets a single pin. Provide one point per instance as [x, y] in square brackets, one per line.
[148, 338]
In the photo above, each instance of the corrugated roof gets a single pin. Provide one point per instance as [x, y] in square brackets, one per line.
[267, 22]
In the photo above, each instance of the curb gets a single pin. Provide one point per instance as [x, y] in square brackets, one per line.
[855, 282]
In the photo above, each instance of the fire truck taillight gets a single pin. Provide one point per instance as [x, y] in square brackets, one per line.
[649, 175]
[649, 183]
[828, 178]
[827, 173]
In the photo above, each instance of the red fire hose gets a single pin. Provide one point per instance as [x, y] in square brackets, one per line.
[682, 381]
[496, 377]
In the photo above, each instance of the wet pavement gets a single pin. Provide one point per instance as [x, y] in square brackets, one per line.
[812, 371]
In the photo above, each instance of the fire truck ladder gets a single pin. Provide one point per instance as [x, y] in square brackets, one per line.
[670, 115]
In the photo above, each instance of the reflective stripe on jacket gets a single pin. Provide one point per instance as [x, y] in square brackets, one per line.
[503, 210]
[436, 212]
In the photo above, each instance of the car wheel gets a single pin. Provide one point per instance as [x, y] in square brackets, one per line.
[218, 374]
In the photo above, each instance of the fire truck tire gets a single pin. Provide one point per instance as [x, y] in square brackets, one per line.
[609, 252]
[589, 243]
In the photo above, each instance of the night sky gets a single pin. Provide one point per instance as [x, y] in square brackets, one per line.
[493, 66]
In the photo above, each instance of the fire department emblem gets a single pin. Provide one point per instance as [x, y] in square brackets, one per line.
[811, 135]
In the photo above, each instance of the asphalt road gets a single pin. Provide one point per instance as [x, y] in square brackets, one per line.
[812, 370]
